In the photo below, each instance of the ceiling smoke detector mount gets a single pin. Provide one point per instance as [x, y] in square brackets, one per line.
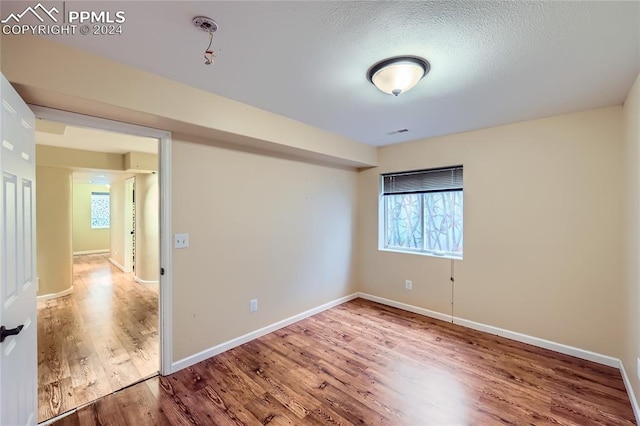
[205, 24]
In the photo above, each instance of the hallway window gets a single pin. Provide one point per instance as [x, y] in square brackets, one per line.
[422, 212]
[100, 210]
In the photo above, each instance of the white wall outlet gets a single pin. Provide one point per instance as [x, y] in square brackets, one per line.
[253, 305]
[181, 241]
[638, 368]
[408, 285]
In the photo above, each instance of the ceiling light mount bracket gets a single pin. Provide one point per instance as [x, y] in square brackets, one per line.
[205, 24]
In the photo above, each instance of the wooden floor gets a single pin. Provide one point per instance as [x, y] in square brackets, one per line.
[364, 363]
[97, 340]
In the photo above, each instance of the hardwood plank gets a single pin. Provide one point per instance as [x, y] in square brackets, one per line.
[56, 398]
[103, 412]
[180, 406]
[269, 411]
[365, 363]
[116, 361]
[139, 406]
[81, 353]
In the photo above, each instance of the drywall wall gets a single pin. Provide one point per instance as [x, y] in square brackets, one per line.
[53, 227]
[141, 162]
[80, 82]
[542, 230]
[134, 162]
[274, 229]
[147, 228]
[85, 238]
[288, 277]
[511, 285]
[631, 336]
[55, 156]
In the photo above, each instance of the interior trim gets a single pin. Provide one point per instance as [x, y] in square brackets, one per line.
[519, 337]
[632, 395]
[116, 264]
[164, 159]
[230, 344]
[141, 281]
[535, 341]
[81, 253]
[55, 295]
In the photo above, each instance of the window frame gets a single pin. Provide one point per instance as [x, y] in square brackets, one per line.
[382, 217]
[101, 194]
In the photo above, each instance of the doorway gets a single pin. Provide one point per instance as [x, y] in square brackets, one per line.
[130, 225]
[122, 348]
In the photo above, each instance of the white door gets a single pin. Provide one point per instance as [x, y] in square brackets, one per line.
[18, 363]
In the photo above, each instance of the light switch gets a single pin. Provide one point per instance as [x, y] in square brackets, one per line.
[181, 241]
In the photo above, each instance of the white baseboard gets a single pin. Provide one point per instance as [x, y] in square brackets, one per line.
[141, 281]
[218, 349]
[519, 337]
[406, 307]
[80, 253]
[632, 395]
[541, 343]
[55, 295]
[117, 265]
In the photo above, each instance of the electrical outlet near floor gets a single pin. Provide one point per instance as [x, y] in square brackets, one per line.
[253, 305]
[408, 285]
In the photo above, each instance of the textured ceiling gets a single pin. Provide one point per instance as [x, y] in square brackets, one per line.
[492, 63]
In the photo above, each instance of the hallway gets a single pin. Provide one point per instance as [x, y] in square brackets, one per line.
[99, 339]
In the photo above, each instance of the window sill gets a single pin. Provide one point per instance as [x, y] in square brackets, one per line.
[422, 253]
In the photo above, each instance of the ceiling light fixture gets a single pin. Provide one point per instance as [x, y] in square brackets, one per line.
[399, 74]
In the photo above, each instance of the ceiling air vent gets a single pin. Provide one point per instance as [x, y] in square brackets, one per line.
[395, 132]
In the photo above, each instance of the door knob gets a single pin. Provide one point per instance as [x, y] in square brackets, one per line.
[12, 332]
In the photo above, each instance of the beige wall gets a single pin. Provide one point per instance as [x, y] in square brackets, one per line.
[141, 162]
[134, 162]
[147, 227]
[542, 230]
[631, 337]
[543, 257]
[53, 215]
[97, 86]
[54, 156]
[84, 237]
[260, 227]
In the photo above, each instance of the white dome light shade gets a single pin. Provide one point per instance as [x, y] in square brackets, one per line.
[397, 75]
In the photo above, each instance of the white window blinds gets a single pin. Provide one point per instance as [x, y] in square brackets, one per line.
[423, 181]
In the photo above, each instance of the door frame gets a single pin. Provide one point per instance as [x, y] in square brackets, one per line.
[129, 233]
[164, 163]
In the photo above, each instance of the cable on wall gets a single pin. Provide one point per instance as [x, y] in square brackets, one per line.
[453, 282]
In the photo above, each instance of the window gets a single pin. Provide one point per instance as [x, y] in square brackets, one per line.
[423, 212]
[100, 210]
